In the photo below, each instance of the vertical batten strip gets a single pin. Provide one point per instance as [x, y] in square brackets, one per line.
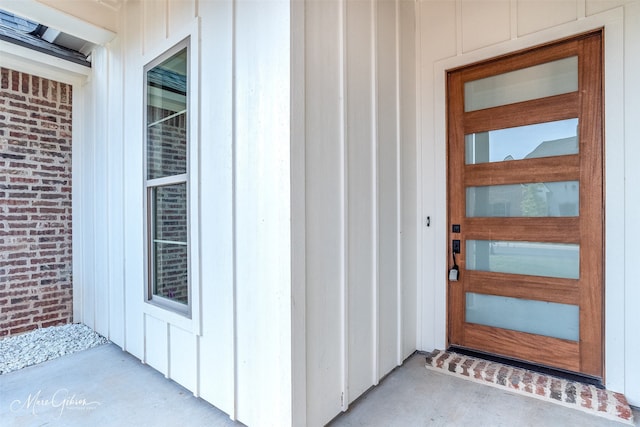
[93, 203]
[399, 311]
[166, 19]
[196, 371]
[459, 28]
[375, 143]
[234, 224]
[581, 9]
[298, 216]
[144, 338]
[78, 133]
[109, 225]
[513, 9]
[167, 341]
[197, 53]
[121, 118]
[417, 163]
[345, 212]
[143, 29]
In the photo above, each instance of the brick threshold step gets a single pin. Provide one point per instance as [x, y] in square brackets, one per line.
[572, 394]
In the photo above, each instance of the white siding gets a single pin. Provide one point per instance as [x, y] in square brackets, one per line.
[132, 171]
[114, 192]
[357, 103]
[359, 89]
[483, 29]
[483, 23]
[156, 340]
[631, 296]
[325, 211]
[386, 64]
[534, 16]
[355, 98]
[262, 213]
[408, 186]
[183, 348]
[236, 351]
[86, 208]
[361, 142]
[98, 165]
[217, 346]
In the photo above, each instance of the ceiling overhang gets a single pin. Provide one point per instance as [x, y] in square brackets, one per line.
[54, 16]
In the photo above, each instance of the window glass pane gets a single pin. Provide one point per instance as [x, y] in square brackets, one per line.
[530, 258]
[167, 117]
[170, 272]
[552, 78]
[534, 317]
[538, 199]
[170, 213]
[170, 242]
[524, 142]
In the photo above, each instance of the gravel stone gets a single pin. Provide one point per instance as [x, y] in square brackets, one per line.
[40, 345]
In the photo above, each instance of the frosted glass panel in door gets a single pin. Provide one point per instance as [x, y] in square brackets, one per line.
[540, 81]
[531, 258]
[535, 317]
[536, 199]
[558, 138]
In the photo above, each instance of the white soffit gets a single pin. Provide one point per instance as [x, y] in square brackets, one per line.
[54, 18]
[27, 60]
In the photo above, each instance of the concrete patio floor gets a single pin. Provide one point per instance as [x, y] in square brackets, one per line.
[105, 386]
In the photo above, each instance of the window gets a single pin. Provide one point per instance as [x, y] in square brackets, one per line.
[167, 179]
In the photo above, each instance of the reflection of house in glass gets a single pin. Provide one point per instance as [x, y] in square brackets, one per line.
[562, 198]
[553, 199]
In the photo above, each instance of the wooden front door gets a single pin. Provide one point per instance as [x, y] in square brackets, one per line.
[525, 206]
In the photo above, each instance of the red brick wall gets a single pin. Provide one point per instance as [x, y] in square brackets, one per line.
[35, 203]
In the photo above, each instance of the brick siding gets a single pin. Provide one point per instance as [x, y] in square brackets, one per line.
[35, 203]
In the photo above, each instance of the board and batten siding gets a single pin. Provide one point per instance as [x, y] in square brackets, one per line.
[235, 352]
[455, 33]
[360, 116]
[300, 266]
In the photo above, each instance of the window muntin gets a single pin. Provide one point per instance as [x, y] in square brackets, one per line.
[166, 178]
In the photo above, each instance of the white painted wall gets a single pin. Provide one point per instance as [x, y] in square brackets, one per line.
[630, 339]
[236, 350]
[360, 116]
[455, 33]
[353, 124]
[262, 213]
[333, 161]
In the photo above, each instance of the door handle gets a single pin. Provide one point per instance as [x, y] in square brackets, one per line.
[454, 272]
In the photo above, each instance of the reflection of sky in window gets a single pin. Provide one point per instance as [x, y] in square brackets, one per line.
[518, 142]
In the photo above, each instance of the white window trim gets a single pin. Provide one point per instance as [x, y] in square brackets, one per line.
[191, 321]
